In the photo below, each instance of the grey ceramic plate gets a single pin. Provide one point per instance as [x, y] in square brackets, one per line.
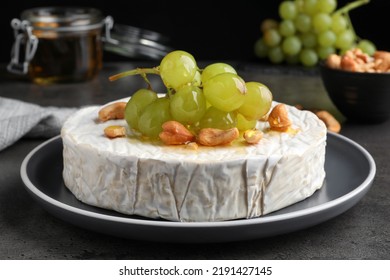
[350, 172]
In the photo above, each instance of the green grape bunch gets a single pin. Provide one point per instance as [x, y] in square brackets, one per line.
[212, 97]
[309, 31]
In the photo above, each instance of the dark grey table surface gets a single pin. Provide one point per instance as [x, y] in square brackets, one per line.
[27, 231]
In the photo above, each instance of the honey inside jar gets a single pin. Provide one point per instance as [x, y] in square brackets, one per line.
[69, 44]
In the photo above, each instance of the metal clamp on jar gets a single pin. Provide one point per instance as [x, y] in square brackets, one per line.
[60, 44]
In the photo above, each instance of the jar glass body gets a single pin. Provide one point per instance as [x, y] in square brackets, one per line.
[69, 44]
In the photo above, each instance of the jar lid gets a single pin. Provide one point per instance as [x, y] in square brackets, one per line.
[63, 18]
[137, 43]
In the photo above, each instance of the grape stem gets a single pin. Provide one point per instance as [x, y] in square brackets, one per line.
[347, 8]
[351, 6]
[143, 73]
[351, 26]
[137, 71]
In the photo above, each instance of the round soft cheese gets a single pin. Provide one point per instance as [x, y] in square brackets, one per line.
[150, 179]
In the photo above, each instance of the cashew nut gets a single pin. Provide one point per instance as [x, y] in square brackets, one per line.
[114, 131]
[253, 136]
[216, 137]
[112, 111]
[357, 61]
[174, 133]
[278, 118]
[331, 123]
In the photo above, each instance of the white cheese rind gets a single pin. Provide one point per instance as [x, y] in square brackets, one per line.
[178, 184]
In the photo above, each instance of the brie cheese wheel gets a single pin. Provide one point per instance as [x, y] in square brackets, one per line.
[150, 179]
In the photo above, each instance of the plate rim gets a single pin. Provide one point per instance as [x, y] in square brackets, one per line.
[232, 223]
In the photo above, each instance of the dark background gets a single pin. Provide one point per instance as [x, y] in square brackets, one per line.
[210, 30]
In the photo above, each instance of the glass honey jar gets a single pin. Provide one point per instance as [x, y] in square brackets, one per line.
[59, 44]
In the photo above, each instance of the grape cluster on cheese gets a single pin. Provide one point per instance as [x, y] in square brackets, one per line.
[212, 97]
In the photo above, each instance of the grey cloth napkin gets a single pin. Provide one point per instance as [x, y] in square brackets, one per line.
[21, 119]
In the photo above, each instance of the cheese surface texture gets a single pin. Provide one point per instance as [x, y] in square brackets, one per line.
[150, 179]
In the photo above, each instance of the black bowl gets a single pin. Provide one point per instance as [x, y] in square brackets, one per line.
[360, 97]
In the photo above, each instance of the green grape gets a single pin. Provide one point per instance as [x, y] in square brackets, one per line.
[345, 39]
[291, 45]
[310, 30]
[243, 124]
[214, 69]
[287, 28]
[339, 23]
[326, 6]
[326, 38]
[188, 105]
[258, 100]
[324, 52]
[308, 39]
[177, 68]
[321, 22]
[272, 37]
[299, 5]
[367, 47]
[197, 81]
[308, 57]
[310, 7]
[134, 107]
[303, 23]
[153, 116]
[225, 91]
[287, 10]
[215, 118]
[268, 24]
[260, 48]
[276, 55]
